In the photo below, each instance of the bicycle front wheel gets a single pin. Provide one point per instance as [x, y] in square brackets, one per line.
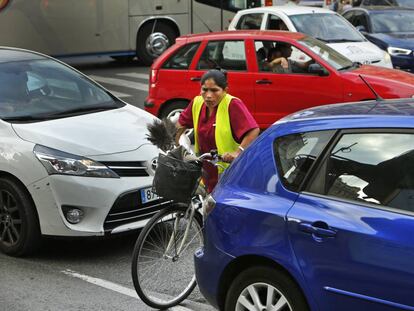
[162, 264]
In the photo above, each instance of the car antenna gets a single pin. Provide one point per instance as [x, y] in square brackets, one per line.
[377, 97]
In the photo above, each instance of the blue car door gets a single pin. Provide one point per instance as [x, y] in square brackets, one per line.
[352, 228]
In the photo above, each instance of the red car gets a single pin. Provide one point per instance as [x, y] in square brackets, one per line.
[318, 74]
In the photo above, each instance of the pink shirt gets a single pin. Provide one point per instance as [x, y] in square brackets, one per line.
[241, 122]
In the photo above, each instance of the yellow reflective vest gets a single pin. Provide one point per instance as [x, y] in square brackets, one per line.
[222, 133]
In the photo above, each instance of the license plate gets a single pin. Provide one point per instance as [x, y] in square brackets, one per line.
[147, 195]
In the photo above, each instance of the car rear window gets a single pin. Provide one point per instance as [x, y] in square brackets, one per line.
[182, 58]
[296, 153]
[229, 55]
[250, 21]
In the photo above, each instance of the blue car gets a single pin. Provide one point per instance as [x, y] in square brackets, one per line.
[390, 28]
[317, 214]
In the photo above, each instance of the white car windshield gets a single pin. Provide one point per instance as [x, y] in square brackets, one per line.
[392, 21]
[327, 27]
[406, 3]
[332, 57]
[41, 89]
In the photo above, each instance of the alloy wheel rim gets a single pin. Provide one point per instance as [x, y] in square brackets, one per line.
[262, 297]
[10, 219]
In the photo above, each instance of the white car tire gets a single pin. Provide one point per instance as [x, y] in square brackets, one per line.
[19, 224]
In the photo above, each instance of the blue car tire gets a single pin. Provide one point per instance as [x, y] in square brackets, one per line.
[286, 293]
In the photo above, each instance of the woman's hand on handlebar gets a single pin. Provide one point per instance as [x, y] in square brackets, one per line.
[230, 156]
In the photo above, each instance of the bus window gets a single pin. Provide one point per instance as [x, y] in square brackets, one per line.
[232, 5]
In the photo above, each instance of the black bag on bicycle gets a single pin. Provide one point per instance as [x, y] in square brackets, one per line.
[176, 179]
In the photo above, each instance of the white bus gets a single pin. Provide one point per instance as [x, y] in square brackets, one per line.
[118, 28]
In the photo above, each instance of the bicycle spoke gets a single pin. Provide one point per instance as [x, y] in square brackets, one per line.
[152, 250]
[161, 250]
[189, 243]
[146, 272]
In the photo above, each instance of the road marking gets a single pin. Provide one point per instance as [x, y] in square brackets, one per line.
[120, 82]
[119, 94]
[134, 75]
[112, 286]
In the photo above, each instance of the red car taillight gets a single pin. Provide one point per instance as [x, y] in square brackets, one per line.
[268, 2]
[154, 76]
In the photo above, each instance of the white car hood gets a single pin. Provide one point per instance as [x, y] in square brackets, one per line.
[363, 52]
[106, 132]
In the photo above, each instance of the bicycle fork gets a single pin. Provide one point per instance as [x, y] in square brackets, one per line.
[172, 240]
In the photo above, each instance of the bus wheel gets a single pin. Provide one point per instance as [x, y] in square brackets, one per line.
[152, 43]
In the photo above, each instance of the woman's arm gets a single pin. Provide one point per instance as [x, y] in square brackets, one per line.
[246, 141]
[180, 130]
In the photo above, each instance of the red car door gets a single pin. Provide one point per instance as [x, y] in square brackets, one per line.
[229, 55]
[278, 93]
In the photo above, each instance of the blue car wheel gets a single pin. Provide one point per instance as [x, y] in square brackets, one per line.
[263, 288]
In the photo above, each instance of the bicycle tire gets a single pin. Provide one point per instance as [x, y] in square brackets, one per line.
[162, 289]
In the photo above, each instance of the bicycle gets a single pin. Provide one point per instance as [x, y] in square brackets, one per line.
[163, 254]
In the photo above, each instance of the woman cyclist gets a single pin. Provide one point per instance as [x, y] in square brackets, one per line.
[220, 121]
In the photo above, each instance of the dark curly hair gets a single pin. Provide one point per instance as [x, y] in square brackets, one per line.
[217, 75]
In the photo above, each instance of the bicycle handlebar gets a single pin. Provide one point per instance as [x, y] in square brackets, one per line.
[212, 157]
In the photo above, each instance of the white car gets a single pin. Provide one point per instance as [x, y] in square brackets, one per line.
[74, 159]
[323, 24]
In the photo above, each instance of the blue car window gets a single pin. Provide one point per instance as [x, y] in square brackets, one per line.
[375, 168]
[397, 21]
[296, 153]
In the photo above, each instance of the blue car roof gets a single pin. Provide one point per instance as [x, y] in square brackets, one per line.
[396, 113]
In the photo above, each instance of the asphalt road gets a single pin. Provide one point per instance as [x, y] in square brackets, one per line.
[84, 274]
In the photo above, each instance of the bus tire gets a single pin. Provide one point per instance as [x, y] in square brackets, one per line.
[163, 35]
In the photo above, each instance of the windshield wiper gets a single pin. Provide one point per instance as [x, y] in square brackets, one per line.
[320, 39]
[353, 65]
[341, 40]
[83, 109]
[25, 118]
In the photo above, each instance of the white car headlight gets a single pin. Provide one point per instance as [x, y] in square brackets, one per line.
[59, 162]
[398, 51]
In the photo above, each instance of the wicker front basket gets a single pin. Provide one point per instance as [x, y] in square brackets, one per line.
[175, 179]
